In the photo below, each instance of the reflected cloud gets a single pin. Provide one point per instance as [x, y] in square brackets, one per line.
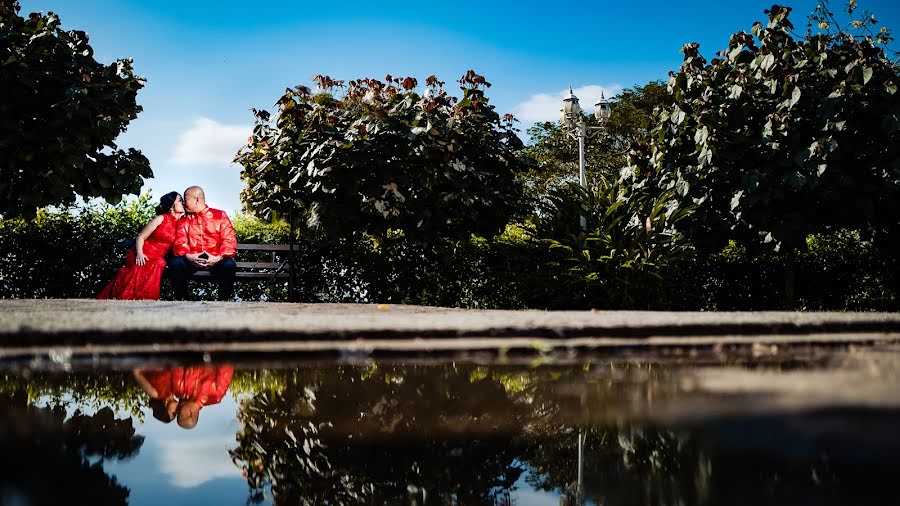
[192, 462]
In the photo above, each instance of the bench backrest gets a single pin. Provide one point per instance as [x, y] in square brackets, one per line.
[266, 247]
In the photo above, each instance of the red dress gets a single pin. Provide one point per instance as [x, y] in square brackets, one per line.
[133, 281]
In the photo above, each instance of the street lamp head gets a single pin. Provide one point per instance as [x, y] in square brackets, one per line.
[602, 110]
[570, 103]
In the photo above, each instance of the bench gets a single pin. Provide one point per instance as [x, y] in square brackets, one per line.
[251, 270]
[278, 266]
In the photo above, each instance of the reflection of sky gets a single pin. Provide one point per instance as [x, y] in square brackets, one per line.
[188, 467]
[177, 466]
[524, 495]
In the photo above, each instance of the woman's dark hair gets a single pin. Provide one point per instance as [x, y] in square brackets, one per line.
[166, 202]
[160, 412]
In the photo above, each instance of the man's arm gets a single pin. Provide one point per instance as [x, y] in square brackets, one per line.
[223, 380]
[180, 247]
[229, 239]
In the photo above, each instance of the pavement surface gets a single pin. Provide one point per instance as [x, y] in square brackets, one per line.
[30, 327]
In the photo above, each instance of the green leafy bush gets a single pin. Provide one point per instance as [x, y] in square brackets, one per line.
[780, 137]
[622, 254]
[384, 158]
[837, 271]
[67, 252]
[545, 264]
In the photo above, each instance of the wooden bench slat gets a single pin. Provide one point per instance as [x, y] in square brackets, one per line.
[259, 265]
[241, 246]
[262, 275]
[266, 247]
[206, 275]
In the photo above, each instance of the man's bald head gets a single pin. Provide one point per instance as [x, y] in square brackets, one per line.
[195, 190]
[188, 414]
[194, 199]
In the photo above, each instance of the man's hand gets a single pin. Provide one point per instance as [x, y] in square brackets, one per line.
[213, 260]
[194, 258]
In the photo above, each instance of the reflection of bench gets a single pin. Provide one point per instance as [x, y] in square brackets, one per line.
[278, 266]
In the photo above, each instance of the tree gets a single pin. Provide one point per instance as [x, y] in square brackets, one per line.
[780, 136]
[60, 113]
[556, 155]
[382, 157]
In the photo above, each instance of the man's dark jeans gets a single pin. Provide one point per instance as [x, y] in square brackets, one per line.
[181, 269]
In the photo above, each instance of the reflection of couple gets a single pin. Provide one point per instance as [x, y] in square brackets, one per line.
[183, 391]
[200, 239]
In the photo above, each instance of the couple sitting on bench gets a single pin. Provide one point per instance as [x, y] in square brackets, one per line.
[198, 238]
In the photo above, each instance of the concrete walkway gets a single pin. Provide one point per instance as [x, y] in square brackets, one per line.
[29, 327]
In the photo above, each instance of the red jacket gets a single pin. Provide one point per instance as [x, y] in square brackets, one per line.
[209, 230]
[204, 384]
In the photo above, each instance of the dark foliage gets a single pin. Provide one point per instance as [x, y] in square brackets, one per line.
[60, 113]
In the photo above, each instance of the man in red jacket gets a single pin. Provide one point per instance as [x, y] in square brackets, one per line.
[197, 387]
[204, 240]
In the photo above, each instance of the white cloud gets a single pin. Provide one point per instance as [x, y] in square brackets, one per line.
[189, 463]
[209, 143]
[546, 106]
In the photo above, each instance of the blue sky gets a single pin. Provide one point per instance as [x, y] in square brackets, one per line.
[208, 62]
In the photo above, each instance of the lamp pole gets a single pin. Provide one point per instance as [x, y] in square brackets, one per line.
[582, 174]
[573, 121]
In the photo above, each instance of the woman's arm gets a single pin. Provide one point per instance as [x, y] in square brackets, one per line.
[140, 258]
[145, 383]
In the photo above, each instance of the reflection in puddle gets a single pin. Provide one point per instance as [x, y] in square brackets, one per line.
[181, 392]
[47, 456]
[621, 432]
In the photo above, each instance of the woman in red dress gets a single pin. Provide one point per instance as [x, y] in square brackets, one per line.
[144, 265]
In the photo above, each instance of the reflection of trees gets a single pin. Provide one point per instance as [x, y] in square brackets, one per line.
[625, 465]
[94, 391]
[784, 460]
[464, 434]
[382, 434]
[447, 434]
[48, 459]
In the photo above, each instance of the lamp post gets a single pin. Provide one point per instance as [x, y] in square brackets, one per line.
[573, 122]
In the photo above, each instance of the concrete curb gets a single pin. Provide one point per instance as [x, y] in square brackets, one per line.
[25, 323]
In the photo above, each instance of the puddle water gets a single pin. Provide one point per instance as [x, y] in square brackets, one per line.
[817, 427]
